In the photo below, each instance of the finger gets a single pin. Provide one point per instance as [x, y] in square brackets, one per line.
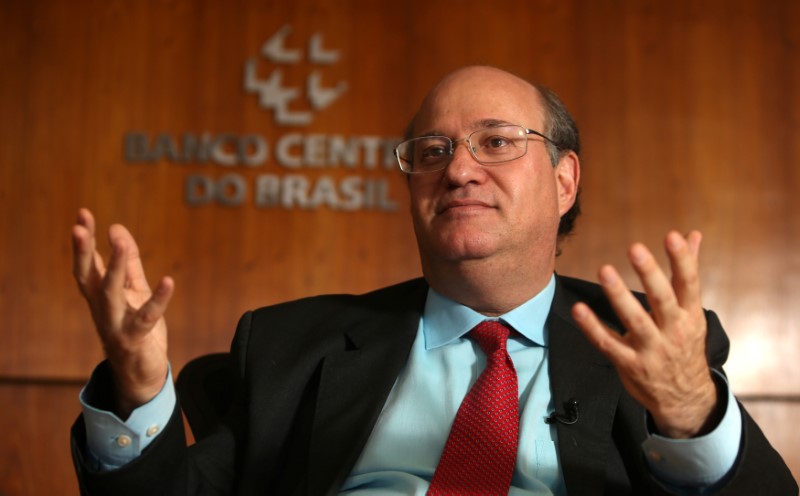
[115, 277]
[633, 316]
[86, 219]
[609, 342]
[81, 254]
[657, 287]
[154, 308]
[683, 253]
[87, 264]
[134, 271]
[694, 239]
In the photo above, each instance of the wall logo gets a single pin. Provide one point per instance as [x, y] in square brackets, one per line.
[273, 95]
[306, 156]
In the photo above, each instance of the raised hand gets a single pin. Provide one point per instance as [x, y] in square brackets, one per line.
[661, 358]
[128, 315]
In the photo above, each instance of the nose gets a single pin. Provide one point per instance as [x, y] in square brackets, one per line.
[463, 167]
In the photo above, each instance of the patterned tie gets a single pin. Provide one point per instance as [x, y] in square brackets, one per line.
[481, 450]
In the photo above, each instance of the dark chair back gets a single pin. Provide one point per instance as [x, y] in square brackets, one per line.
[205, 389]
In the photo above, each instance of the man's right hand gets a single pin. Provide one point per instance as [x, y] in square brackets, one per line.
[129, 316]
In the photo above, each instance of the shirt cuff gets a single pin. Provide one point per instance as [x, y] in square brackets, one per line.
[703, 461]
[113, 442]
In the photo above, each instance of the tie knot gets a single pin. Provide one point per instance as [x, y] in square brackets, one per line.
[491, 335]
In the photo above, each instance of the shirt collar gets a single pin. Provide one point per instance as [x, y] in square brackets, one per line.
[445, 321]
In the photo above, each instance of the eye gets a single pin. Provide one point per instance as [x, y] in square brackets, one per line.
[432, 152]
[497, 142]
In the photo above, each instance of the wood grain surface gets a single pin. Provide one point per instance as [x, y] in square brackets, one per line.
[689, 113]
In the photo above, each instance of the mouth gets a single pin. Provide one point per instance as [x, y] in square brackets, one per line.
[462, 205]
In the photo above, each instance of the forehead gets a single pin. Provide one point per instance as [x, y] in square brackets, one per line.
[466, 99]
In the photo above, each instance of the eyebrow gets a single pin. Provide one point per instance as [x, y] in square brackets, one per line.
[492, 122]
[480, 124]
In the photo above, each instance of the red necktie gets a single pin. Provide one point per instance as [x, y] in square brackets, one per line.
[480, 453]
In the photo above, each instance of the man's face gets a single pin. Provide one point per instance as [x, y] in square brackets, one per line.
[471, 211]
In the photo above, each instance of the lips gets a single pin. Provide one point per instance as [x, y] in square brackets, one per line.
[466, 203]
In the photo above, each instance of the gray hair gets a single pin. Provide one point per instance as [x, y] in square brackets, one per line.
[560, 127]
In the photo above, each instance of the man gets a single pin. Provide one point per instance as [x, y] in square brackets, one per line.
[375, 394]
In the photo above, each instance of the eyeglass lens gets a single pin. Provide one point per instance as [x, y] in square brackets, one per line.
[489, 145]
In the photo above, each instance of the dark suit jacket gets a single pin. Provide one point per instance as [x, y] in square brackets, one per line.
[315, 373]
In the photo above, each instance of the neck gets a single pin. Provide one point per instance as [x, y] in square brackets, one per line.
[487, 286]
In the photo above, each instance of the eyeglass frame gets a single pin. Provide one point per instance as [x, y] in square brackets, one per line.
[472, 151]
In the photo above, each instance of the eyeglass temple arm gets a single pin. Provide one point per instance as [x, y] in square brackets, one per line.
[537, 133]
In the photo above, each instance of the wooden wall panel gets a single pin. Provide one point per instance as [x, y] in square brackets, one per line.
[688, 112]
[35, 449]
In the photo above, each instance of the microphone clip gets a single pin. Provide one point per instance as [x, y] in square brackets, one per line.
[571, 416]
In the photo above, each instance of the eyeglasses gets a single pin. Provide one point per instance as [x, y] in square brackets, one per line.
[490, 145]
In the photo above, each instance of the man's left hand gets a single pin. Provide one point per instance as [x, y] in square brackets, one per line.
[661, 358]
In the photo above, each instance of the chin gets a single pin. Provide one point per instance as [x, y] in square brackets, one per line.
[465, 248]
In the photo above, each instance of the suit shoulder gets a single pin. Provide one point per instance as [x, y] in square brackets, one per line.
[588, 291]
[396, 295]
[579, 287]
[570, 290]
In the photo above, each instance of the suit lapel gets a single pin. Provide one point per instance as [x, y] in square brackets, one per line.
[579, 371]
[355, 382]
[356, 379]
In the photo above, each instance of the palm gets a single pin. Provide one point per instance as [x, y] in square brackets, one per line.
[127, 313]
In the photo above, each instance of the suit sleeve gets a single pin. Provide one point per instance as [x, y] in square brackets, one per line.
[159, 462]
[758, 469]
[167, 466]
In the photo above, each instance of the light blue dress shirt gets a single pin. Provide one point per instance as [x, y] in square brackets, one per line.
[409, 436]
[404, 448]
[113, 442]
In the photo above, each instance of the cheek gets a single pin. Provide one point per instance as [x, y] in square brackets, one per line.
[536, 199]
[421, 196]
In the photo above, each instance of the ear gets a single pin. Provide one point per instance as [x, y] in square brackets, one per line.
[568, 175]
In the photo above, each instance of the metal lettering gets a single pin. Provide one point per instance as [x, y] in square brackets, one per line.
[371, 146]
[283, 148]
[384, 202]
[267, 190]
[136, 148]
[324, 193]
[294, 192]
[231, 190]
[198, 189]
[389, 159]
[224, 149]
[255, 144]
[164, 147]
[314, 150]
[194, 149]
[351, 191]
[344, 151]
